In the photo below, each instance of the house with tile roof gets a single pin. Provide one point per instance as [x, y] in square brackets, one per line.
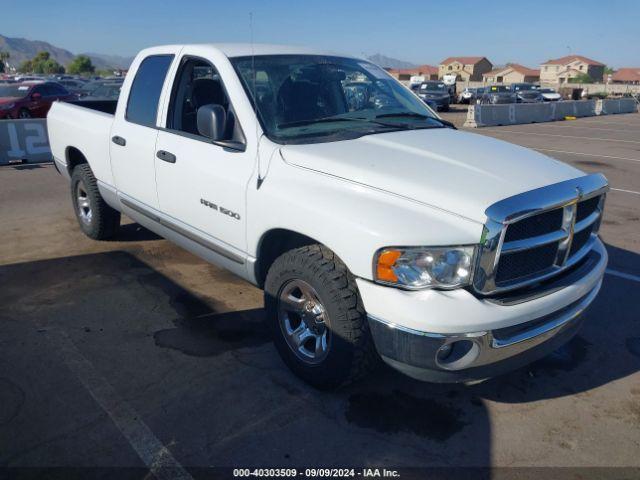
[512, 73]
[564, 69]
[628, 75]
[465, 68]
[429, 72]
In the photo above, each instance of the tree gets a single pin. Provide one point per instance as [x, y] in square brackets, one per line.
[41, 63]
[81, 65]
[4, 56]
[581, 78]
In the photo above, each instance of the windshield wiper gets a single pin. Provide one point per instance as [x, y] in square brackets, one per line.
[403, 114]
[302, 123]
[444, 123]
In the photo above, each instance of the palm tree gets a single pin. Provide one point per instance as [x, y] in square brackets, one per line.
[4, 56]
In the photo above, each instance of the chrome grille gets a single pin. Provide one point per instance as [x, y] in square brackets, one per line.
[538, 234]
[523, 263]
[541, 224]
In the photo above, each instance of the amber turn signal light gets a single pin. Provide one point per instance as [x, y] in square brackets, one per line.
[384, 268]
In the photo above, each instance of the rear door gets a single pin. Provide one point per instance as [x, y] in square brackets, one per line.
[134, 131]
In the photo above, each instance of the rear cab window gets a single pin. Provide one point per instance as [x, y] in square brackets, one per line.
[144, 96]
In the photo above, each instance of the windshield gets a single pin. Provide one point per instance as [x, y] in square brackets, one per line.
[547, 90]
[14, 91]
[110, 91]
[527, 86]
[315, 98]
[434, 86]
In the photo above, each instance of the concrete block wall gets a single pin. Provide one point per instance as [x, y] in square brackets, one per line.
[520, 113]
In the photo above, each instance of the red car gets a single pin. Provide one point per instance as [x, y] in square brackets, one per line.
[30, 99]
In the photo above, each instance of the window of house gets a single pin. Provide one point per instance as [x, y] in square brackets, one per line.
[142, 107]
[449, 67]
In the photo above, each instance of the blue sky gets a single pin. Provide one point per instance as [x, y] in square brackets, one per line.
[419, 31]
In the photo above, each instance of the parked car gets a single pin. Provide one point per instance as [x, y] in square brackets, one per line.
[106, 91]
[373, 231]
[415, 81]
[550, 95]
[517, 87]
[73, 86]
[435, 94]
[526, 92]
[497, 94]
[30, 99]
[467, 95]
[27, 78]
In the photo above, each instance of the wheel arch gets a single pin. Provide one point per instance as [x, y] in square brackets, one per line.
[274, 243]
[74, 157]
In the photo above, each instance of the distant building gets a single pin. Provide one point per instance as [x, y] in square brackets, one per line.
[512, 73]
[562, 70]
[429, 72]
[627, 75]
[465, 68]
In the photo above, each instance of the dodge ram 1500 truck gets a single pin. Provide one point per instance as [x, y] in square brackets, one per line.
[375, 229]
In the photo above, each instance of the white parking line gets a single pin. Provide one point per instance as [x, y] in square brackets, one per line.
[584, 154]
[627, 276]
[155, 455]
[625, 191]
[565, 136]
[600, 122]
[589, 127]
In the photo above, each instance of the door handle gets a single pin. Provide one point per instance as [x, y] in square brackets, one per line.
[166, 156]
[118, 140]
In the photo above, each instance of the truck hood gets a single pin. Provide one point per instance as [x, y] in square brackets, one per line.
[460, 172]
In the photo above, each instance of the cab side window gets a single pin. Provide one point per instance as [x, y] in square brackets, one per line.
[142, 106]
[198, 84]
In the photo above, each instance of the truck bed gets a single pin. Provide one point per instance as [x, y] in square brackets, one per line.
[83, 126]
[104, 106]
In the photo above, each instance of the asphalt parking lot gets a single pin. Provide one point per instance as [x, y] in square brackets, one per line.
[134, 352]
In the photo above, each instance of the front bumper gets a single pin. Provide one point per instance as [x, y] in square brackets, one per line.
[495, 345]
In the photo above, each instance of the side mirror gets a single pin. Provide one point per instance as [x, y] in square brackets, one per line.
[36, 96]
[211, 121]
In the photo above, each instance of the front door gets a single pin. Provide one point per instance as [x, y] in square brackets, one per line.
[201, 184]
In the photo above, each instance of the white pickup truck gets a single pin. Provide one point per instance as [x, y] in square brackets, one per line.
[374, 227]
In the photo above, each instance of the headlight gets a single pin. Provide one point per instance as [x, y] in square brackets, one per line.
[422, 267]
[7, 106]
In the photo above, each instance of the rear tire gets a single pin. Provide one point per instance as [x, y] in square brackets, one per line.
[24, 113]
[96, 219]
[310, 294]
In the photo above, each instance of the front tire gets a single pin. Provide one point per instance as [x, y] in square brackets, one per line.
[317, 319]
[24, 113]
[96, 219]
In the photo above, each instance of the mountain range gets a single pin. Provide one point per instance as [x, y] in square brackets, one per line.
[22, 49]
[389, 62]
